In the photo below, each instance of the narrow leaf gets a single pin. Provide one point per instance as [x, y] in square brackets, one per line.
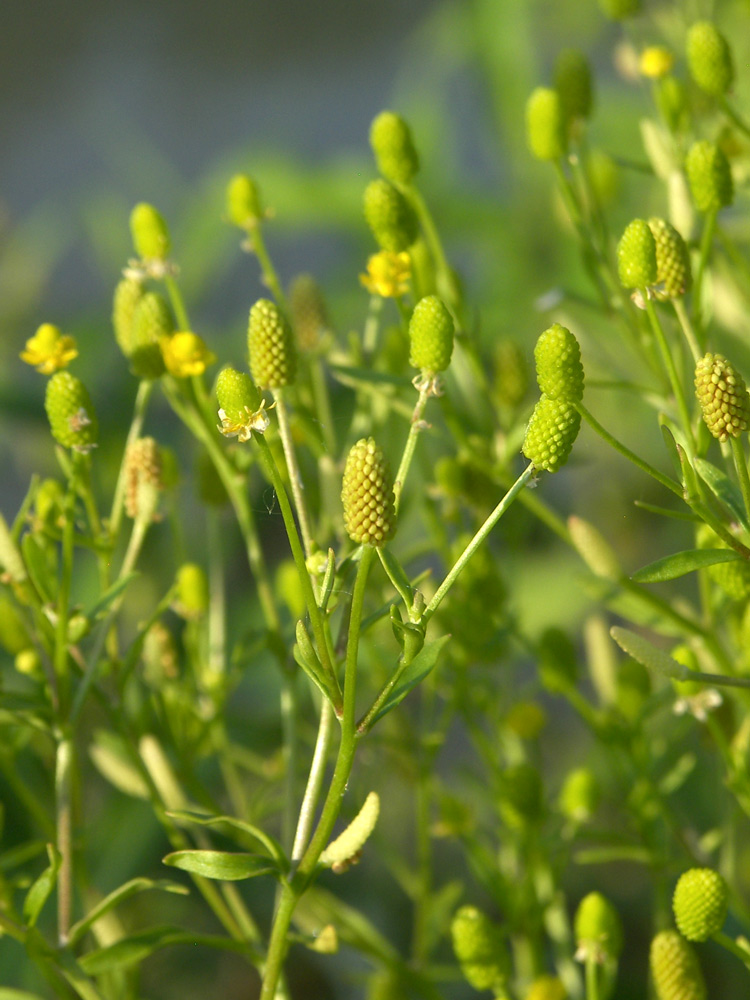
[271, 845]
[10, 994]
[396, 575]
[109, 596]
[417, 670]
[137, 947]
[118, 896]
[723, 489]
[223, 865]
[681, 563]
[678, 515]
[41, 890]
[40, 571]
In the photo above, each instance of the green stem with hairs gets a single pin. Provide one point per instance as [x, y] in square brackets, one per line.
[268, 272]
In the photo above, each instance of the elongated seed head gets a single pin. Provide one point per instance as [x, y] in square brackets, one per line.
[144, 477]
[367, 495]
[559, 371]
[636, 256]
[393, 146]
[545, 124]
[128, 294]
[273, 358]
[709, 176]
[191, 600]
[709, 58]
[430, 335]
[389, 216]
[243, 201]
[700, 903]
[673, 273]
[149, 231]
[675, 969]
[237, 394]
[723, 397]
[70, 412]
[477, 944]
[551, 433]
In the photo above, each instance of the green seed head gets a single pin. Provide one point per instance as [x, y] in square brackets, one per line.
[273, 358]
[191, 600]
[149, 231]
[70, 412]
[545, 124]
[430, 335]
[598, 928]
[675, 969]
[309, 317]
[367, 495]
[618, 10]
[673, 273]
[152, 320]
[144, 478]
[127, 296]
[636, 256]
[700, 903]
[551, 433]
[579, 795]
[559, 371]
[573, 84]
[477, 944]
[392, 144]
[237, 395]
[389, 216]
[723, 397]
[709, 59]
[547, 988]
[709, 176]
[243, 201]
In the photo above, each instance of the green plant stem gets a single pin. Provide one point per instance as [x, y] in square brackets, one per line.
[734, 117]
[740, 464]
[443, 275]
[314, 781]
[64, 822]
[217, 598]
[178, 303]
[268, 271]
[294, 888]
[476, 541]
[295, 477]
[411, 442]
[726, 942]
[687, 328]
[592, 978]
[142, 397]
[670, 484]
[60, 660]
[322, 399]
[709, 227]
[674, 378]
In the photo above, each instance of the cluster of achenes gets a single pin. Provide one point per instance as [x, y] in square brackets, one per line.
[654, 258]
[723, 397]
[555, 422]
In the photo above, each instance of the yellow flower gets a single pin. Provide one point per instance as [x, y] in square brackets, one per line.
[388, 274]
[49, 350]
[656, 62]
[185, 354]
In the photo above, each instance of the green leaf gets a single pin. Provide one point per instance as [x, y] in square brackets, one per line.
[271, 845]
[678, 515]
[42, 889]
[671, 444]
[41, 570]
[110, 596]
[681, 563]
[111, 758]
[224, 865]
[137, 947]
[689, 478]
[10, 994]
[723, 489]
[417, 670]
[118, 896]
[397, 575]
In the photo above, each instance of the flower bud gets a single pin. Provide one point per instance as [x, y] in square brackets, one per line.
[71, 413]
[149, 232]
[675, 969]
[598, 929]
[545, 124]
[367, 495]
[477, 944]
[573, 84]
[673, 270]
[723, 397]
[241, 409]
[655, 62]
[273, 358]
[392, 144]
[152, 320]
[709, 176]
[559, 371]
[430, 335]
[243, 201]
[709, 59]
[308, 308]
[700, 903]
[551, 433]
[191, 600]
[636, 255]
[127, 296]
[390, 216]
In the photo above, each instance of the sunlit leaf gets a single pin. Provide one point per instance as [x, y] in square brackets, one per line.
[681, 563]
[224, 865]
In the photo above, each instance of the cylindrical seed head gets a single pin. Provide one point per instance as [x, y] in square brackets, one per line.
[149, 232]
[545, 124]
[709, 176]
[636, 256]
[308, 308]
[367, 495]
[237, 394]
[243, 201]
[673, 270]
[71, 413]
[700, 903]
[709, 59]
[551, 433]
[675, 969]
[191, 599]
[390, 216]
[723, 397]
[273, 358]
[127, 296]
[477, 944]
[598, 928]
[430, 335]
[393, 146]
[559, 371]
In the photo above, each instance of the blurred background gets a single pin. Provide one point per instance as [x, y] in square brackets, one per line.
[103, 105]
